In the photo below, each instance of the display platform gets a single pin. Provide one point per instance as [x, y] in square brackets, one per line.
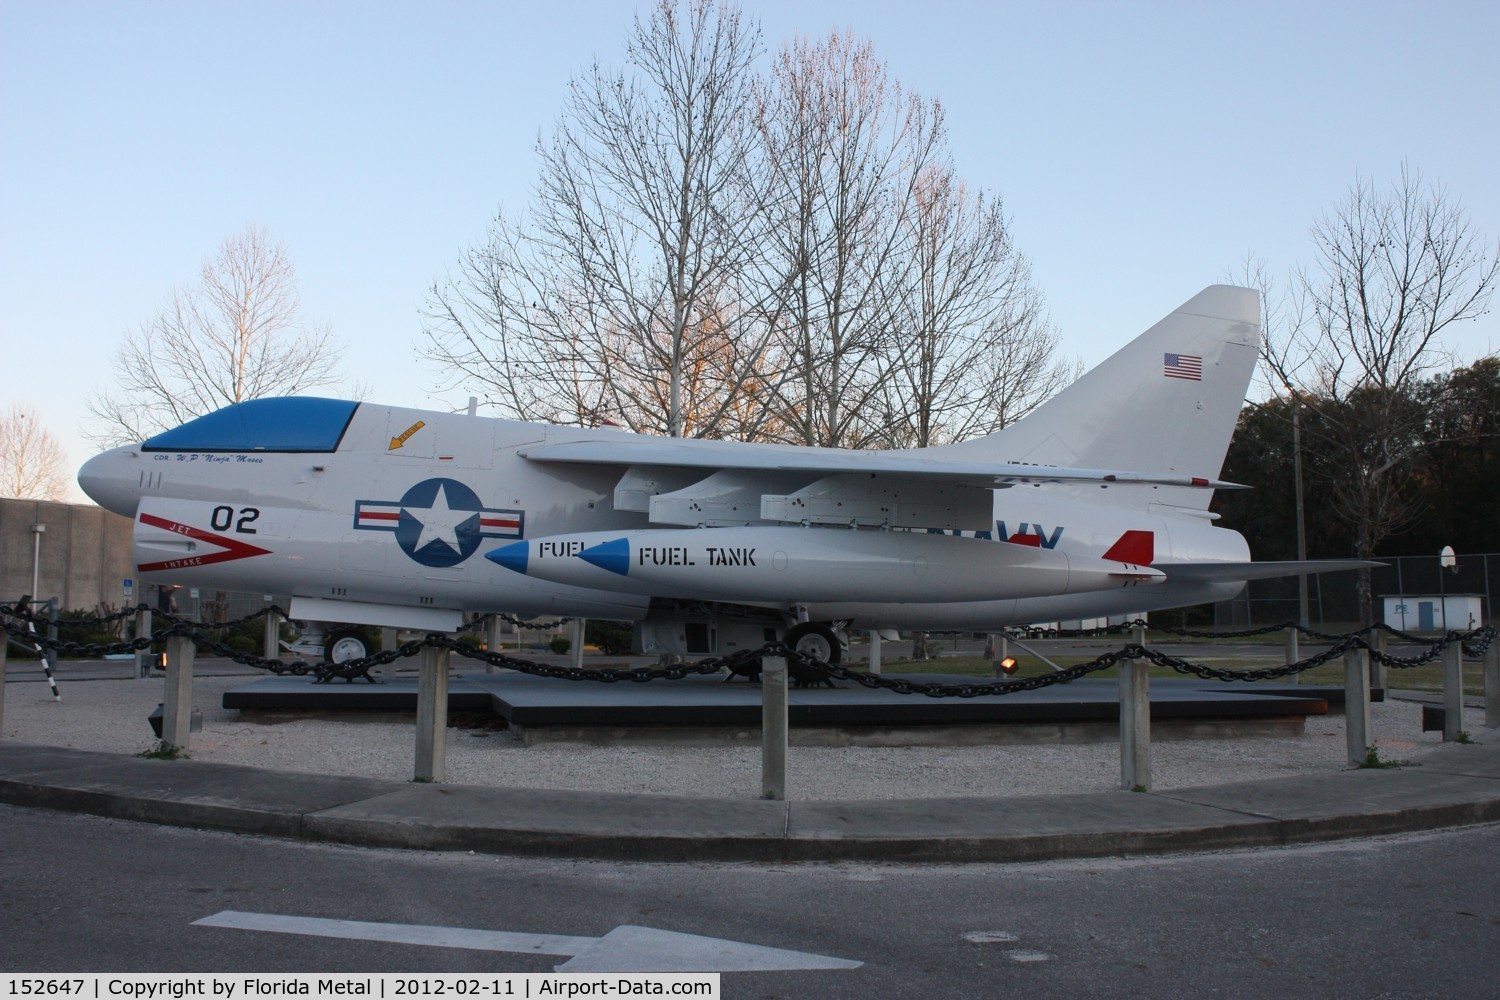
[543, 707]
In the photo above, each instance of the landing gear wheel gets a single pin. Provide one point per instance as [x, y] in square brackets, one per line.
[816, 640]
[345, 644]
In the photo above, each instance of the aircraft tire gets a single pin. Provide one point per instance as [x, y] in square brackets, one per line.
[816, 640]
[346, 644]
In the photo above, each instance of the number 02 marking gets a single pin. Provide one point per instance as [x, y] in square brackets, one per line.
[224, 516]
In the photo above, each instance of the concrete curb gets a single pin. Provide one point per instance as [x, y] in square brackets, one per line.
[1456, 785]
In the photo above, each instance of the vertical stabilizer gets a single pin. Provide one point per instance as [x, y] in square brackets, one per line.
[1165, 402]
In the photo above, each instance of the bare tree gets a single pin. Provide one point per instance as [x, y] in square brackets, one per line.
[1395, 268]
[716, 255]
[235, 335]
[632, 263]
[973, 352]
[844, 146]
[32, 463]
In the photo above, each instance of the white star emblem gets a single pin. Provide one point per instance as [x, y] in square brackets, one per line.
[439, 522]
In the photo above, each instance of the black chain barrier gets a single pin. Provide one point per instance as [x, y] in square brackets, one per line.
[18, 620]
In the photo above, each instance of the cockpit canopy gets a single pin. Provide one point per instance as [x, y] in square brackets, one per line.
[289, 423]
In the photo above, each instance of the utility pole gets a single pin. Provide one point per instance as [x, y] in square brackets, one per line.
[1301, 526]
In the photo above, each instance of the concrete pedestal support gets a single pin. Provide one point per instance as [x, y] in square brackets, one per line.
[1379, 672]
[575, 647]
[494, 639]
[773, 727]
[177, 706]
[875, 653]
[432, 715]
[1358, 738]
[271, 640]
[1453, 689]
[1292, 654]
[1492, 684]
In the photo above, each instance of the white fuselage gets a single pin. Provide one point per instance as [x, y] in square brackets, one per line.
[403, 512]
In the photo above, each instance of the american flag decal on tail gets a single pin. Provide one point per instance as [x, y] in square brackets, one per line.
[1186, 366]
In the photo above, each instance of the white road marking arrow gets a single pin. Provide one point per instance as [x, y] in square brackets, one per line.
[625, 949]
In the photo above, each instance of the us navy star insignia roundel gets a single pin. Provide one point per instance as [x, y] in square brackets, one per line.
[438, 522]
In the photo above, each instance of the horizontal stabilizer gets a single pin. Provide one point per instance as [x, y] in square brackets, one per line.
[1210, 572]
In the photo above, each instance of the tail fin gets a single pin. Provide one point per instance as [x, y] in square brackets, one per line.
[1165, 402]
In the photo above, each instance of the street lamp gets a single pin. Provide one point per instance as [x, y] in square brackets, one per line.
[36, 557]
[1448, 560]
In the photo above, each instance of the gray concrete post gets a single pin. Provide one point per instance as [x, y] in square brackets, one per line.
[143, 656]
[177, 705]
[432, 715]
[575, 644]
[1292, 654]
[1135, 719]
[773, 727]
[1453, 689]
[874, 652]
[1379, 672]
[1135, 725]
[1357, 737]
[1492, 684]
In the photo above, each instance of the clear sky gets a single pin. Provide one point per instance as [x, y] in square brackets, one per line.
[1142, 149]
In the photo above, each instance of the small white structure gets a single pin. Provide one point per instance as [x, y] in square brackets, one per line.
[1434, 612]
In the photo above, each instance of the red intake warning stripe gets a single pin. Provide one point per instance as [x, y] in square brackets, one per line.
[233, 547]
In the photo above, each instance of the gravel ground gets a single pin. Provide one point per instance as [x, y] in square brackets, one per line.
[110, 715]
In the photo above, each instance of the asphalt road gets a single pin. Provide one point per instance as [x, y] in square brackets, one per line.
[1413, 916]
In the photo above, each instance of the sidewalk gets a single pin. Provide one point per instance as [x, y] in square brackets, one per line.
[1453, 785]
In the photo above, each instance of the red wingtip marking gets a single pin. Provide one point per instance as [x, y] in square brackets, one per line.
[1035, 541]
[1138, 547]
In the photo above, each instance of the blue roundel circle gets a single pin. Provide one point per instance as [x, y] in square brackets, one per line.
[439, 523]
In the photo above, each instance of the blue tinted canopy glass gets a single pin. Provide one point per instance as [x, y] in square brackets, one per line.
[291, 423]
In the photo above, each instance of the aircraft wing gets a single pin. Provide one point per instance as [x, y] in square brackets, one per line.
[910, 465]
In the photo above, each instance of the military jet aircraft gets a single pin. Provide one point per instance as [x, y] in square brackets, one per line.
[1094, 504]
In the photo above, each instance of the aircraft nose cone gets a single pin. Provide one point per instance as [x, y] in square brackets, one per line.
[513, 557]
[107, 479]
